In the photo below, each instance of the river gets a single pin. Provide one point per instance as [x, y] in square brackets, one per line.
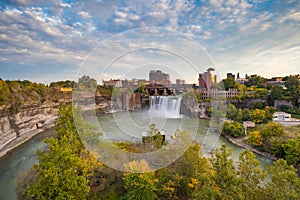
[18, 162]
[22, 158]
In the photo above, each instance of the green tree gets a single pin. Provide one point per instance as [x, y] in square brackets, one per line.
[255, 80]
[276, 146]
[4, 91]
[258, 116]
[291, 149]
[199, 181]
[284, 184]
[228, 83]
[234, 129]
[59, 174]
[169, 182]
[242, 89]
[246, 114]
[257, 105]
[250, 176]
[64, 169]
[271, 129]
[269, 113]
[87, 83]
[277, 93]
[255, 139]
[226, 174]
[139, 182]
[234, 113]
[292, 85]
[261, 93]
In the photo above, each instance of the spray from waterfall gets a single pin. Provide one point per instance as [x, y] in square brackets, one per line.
[165, 106]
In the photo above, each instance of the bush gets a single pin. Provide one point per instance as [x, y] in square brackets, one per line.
[258, 116]
[234, 129]
[255, 139]
[271, 129]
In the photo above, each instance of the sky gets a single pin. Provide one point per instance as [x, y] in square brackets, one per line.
[47, 41]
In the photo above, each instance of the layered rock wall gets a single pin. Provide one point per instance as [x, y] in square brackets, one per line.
[14, 124]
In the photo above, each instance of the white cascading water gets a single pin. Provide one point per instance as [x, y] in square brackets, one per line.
[165, 106]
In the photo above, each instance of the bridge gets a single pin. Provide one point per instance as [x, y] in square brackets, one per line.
[139, 98]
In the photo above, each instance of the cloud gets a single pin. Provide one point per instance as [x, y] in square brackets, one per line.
[238, 34]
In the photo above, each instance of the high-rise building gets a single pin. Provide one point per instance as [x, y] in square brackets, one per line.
[207, 79]
[158, 77]
[180, 82]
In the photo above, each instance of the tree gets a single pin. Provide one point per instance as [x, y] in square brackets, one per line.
[168, 185]
[228, 83]
[234, 129]
[255, 139]
[261, 93]
[255, 80]
[258, 116]
[284, 184]
[139, 182]
[233, 113]
[59, 174]
[225, 174]
[276, 146]
[242, 90]
[154, 139]
[196, 180]
[271, 129]
[277, 93]
[291, 149]
[257, 105]
[87, 83]
[4, 91]
[269, 113]
[199, 181]
[66, 83]
[292, 85]
[64, 169]
[246, 114]
[250, 176]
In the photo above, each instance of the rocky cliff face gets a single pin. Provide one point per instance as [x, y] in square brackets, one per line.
[191, 108]
[38, 117]
[16, 123]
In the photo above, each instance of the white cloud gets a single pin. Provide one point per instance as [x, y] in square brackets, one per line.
[85, 14]
[238, 33]
[134, 17]
[292, 15]
[121, 14]
[65, 5]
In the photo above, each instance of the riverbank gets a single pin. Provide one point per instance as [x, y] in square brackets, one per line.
[25, 137]
[240, 142]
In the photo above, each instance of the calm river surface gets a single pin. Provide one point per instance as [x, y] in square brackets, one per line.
[118, 126]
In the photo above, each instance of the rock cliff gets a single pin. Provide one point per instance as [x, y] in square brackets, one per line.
[14, 124]
[191, 108]
[38, 117]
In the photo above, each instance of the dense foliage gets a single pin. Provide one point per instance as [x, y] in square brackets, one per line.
[234, 129]
[17, 94]
[67, 171]
[64, 169]
[283, 143]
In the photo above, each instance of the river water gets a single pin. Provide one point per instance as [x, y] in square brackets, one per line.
[18, 162]
[114, 126]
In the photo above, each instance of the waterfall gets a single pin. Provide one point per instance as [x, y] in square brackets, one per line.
[165, 106]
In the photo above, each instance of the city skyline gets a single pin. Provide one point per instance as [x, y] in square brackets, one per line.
[48, 41]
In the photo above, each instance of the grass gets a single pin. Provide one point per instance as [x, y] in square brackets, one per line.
[292, 131]
[297, 116]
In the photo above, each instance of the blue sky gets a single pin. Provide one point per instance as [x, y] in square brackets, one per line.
[56, 40]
